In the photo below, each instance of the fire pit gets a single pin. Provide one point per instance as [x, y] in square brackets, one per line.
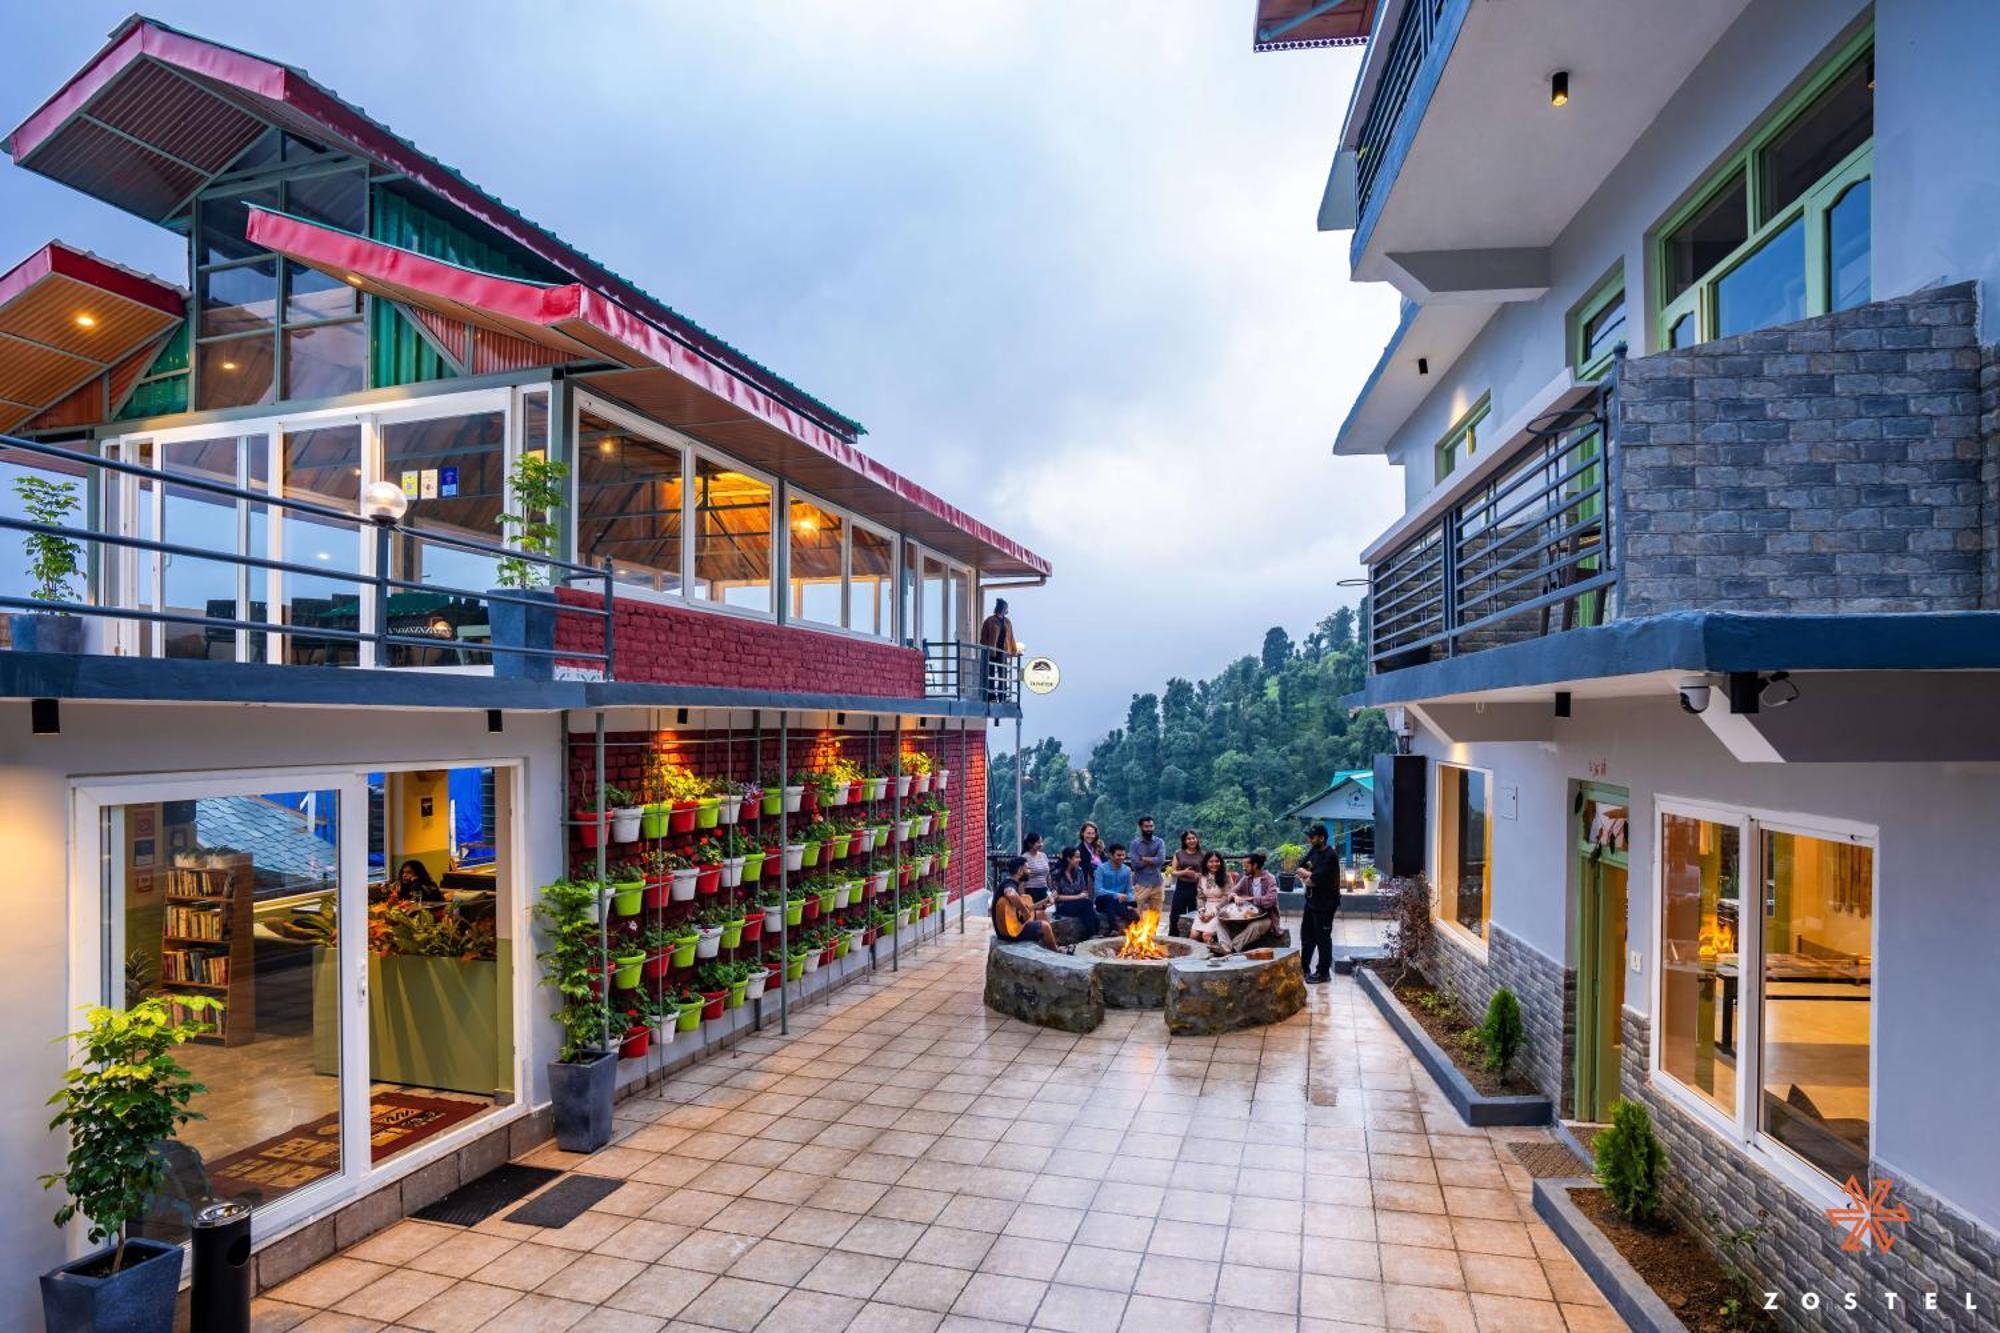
[1133, 967]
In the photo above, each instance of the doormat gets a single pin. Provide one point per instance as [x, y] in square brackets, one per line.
[477, 1200]
[1549, 1161]
[564, 1201]
[311, 1151]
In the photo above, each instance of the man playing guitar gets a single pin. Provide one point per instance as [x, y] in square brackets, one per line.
[1016, 916]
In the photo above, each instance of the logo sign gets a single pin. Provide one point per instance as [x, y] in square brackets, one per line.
[447, 483]
[1041, 674]
[1864, 1214]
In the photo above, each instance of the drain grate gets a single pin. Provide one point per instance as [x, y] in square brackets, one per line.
[1549, 1161]
[564, 1202]
[477, 1200]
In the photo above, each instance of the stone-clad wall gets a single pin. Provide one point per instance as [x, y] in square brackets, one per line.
[1545, 988]
[1833, 465]
[1715, 1189]
[1989, 475]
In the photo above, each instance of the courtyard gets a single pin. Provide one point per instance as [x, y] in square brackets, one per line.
[906, 1160]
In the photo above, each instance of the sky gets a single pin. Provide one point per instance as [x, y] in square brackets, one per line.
[1059, 258]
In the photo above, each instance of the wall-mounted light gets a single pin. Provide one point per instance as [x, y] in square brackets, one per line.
[229, 365]
[1559, 88]
[45, 717]
[681, 717]
[351, 279]
[496, 721]
[1423, 365]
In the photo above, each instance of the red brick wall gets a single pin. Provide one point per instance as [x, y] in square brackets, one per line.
[672, 645]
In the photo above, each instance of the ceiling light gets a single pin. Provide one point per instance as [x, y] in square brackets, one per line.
[44, 717]
[229, 365]
[352, 280]
[1559, 88]
[86, 321]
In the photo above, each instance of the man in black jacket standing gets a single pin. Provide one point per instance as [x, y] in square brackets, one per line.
[1320, 868]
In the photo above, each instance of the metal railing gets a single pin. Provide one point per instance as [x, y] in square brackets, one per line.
[1528, 552]
[374, 589]
[955, 670]
[1415, 37]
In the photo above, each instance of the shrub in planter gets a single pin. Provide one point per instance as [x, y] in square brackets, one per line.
[689, 1004]
[753, 925]
[582, 1076]
[590, 825]
[660, 944]
[628, 891]
[1502, 1035]
[795, 908]
[638, 1037]
[1631, 1163]
[653, 822]
[686, 940]
[125, 1099]
[732, 930]
[626, 814]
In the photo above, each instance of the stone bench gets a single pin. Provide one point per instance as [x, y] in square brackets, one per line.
[1040, 986]
[1210, 996]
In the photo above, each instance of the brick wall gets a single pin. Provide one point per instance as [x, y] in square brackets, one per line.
[1714, 1190]
[674, 645]
[1545, 988]
[1832, 465]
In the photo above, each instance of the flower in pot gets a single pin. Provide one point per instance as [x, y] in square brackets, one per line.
[771, 899]
[795, 906]
[660, 942]
[732, 928]
[755, 976]
[638, 1035]
[795, 792]
[857, 934]
[629, 963]
[737, 975]
[681, 875]
[686, 939]
[653, 820]
[712, 981]
[753, 923]
[707, 858]
[590, 823]
[708, 929]
[832, 789]
[583, 1075]
[772, 794]
[795, 855]
[126, 1098]
[688, 1003]
[708, 805]
[797, 959]
[816, 836]
[626, 814]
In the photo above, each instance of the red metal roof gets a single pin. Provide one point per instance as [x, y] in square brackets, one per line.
[658, 375]
[1284, 25]
[67, 318]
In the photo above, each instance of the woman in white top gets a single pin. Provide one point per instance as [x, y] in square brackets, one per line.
[1037, 882]
[1211, 892]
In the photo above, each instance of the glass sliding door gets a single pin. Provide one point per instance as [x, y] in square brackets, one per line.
[454, 472]
[321, 464]
[1700, 972]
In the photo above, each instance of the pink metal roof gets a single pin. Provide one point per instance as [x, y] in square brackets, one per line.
[659, 375]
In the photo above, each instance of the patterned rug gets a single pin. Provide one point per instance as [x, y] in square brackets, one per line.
[311, 1151]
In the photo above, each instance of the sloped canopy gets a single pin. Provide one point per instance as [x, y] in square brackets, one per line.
[1285, 24]
[67, 318]
[655, 374]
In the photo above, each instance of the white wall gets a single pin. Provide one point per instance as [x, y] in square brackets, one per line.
[35, 949]
[1774, 45]
[1937, 910]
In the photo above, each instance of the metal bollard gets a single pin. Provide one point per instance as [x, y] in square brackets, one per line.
[220, 1298]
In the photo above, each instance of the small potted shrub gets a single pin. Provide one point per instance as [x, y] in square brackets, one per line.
[686, 940]
[771, 899]
[713, 983]
[729, 797]
[526, 618]
[682, 876]
[126, 1098]
[738, 977]
[707, 858]
[659, 942]
[590, 823]
[708, 925]
[638, 1035]
[795, 792]
[626, 814]
[584, 1073]
[53, 562]
[688, 1006]
[628, 889]
[732, 927]
[795, 905]
[795, 855]
[801, 958]
[756, 975]
[753, 922]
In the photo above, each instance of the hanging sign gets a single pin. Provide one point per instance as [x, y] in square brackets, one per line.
[447, 482]
[428, 484]
[412, 483]
[1041, 674]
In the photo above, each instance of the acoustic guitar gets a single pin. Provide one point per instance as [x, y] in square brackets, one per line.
[1011, 919]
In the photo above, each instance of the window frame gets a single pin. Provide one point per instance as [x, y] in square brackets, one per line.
[1609, 289]
[1443, 919]
[1462, 430]
[849, 521]
[1742, 1129]
[1812, 204]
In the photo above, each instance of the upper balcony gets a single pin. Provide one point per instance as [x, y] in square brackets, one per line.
[1454, 170]
[1815, 486]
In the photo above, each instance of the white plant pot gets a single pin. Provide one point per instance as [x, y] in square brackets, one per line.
[878, 880]
[839, 796]
[795, 855]
[794, 795]
[756, 986]
[903, 783]
[921, 783]
[840, 892]
[902, 830]
[878, 788]
[732, 871]
[682, 889]
[812, 961]
[864, 840]
[710, 942]
[774, 919]
[921, 825]
[625, 823]
[729, 810]
[943, 779]
[597, 907]
[854, 942]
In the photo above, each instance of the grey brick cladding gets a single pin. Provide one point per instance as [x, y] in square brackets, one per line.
[1839, 464]
[1715, 1189]
[1545, 988]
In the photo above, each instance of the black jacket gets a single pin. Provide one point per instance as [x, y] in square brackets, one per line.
[1323, 891]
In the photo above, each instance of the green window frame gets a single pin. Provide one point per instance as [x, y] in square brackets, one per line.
[1461, 442]
[1693, 315]
[1603, 298]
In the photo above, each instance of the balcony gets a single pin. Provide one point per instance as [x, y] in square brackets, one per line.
[1815, 486]
[971, 672]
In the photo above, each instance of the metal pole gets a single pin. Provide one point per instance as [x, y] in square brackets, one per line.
[1019, 832]
[380, 620]
[874, 760]
[964, 822]
[896, 854]
[603, 923]
[784, 878]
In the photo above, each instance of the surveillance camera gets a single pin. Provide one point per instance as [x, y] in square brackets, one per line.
[1694, 695]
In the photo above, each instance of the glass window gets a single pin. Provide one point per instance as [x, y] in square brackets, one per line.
[732, 554]
[324, 466]
[311, 295]
[1708, 237]
[938, 626]
[1465, 847]
[239, 299]
[912, 584]
[1602, 331]
[816, 549]
[237, 372]
[1682, 334]
[1700, 982]
[199, 518]
[1818, 139]
[871, 605]
[224, 219]
[454, 471]
[326, 359]
[1768, 287]
[1847, 248]
[1819, 907]
[1461, 442]
[334, 199]
[628, 497]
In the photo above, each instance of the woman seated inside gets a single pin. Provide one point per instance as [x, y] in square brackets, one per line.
[1211, 892]
[1016, 916]
[1075, 892]
[1256, 891]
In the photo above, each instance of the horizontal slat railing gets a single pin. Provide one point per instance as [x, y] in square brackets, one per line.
[1528, 553]
[1408, 48]
[376, 585]
[971, 671]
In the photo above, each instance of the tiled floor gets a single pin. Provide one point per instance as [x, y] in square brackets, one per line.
[907, 1161]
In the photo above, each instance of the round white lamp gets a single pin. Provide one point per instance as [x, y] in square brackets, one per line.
[384, 502]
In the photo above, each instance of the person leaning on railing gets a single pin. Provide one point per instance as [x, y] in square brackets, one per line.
[997, 644]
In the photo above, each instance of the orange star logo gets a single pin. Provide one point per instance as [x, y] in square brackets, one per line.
[1865, 1214]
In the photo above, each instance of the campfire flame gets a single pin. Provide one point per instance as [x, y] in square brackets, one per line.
[1139, 942]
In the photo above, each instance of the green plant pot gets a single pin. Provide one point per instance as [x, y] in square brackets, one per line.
[735, 1000]
[684, 950]
[774, 800]
[706, 811]
[795, 911]
[811, 855]
[826, 902]
[795, 967]
[653, 824]
[627, 898]
[753, 867]
[732, 934]
[943, 822]
[840, 947]
[629, 967]
[689, 1017]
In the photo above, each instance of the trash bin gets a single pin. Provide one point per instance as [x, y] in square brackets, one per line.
[220, 1295]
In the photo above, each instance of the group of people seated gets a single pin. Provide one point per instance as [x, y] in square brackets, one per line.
[1091, 889]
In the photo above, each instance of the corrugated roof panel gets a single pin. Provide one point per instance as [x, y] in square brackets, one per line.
[92, 159]
[176, 116]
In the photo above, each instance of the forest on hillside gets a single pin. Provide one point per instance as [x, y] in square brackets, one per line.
[1226, 756]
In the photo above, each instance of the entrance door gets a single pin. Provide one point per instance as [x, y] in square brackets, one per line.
[1600, 946]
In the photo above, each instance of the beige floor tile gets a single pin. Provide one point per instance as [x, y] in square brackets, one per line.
[660, 1291]
[1514, 1314]
[463, 1307]
[535, 1313]
[814, 1226]
[403, 1242]
[1094, 1266]
[1072, 1309]
[1181, 1279]
[1272, 1290]
[1157, 1314]
[1011, 1300]
[461, 1254]
[1504, 1275]
[709, 1251]
[954, 1247]
[884, 1237]
[1343, 1258]
[591, 1278]
[688, 1207]
[1427, 1229]
[1592, 1319]
[1421, 1266]
[1349, 1300]
[325, 1285]
[876, 1317]
[393, 1294]
[975, 1213]
[523, 1267]
[1019, 1256]
[1433, 1309]
[1262, 1249]
[780, 1261]
[751, 1217]
[842, 1274]
[734, 1304]
[923, 1286]
[643, 1240]
[269, 1316]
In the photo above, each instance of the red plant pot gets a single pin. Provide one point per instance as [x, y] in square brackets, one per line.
[637, 1042]
[658, 894]
[658, 965]
[682, 818]
[708, 879]
[868, 937]
[713, 1009]
[854, 790]
[774, 857]
[774, 972]
[812, 907]
[753, 926]
[591, 826]
[826, 956]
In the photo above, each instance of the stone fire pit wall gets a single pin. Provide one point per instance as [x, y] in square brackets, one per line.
[1037, 985]
[1205, 997]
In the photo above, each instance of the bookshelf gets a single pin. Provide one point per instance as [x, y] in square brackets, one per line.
[208, 945]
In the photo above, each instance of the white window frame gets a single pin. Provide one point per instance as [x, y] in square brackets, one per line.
[917, 631]
[1450, 922]
[1741, 1129]
[849, 520]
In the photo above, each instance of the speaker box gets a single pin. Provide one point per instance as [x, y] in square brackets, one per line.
[1400, 837]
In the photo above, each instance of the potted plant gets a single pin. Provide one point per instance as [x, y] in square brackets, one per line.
[681, 876]
[584, 1073]
[732, 927]
[653, 822]
[707, 858]
[660, 942]
[940, 779]
[730, 797]
[795, 855]
[753, 923]
[688, 1006]
[524, 613]
[816, 836]
[590, 823]
[686, 940]
[756, 975]
[795, 905]
[713, 983]
[638, 1035]
[738, 977]
[125, 1098]
[53, 562]
[795, 792]
[708, 804]
[771, 899]
[626, 813]
[628, 889]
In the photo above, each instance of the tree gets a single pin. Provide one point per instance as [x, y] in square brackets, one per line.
[1277, 648]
